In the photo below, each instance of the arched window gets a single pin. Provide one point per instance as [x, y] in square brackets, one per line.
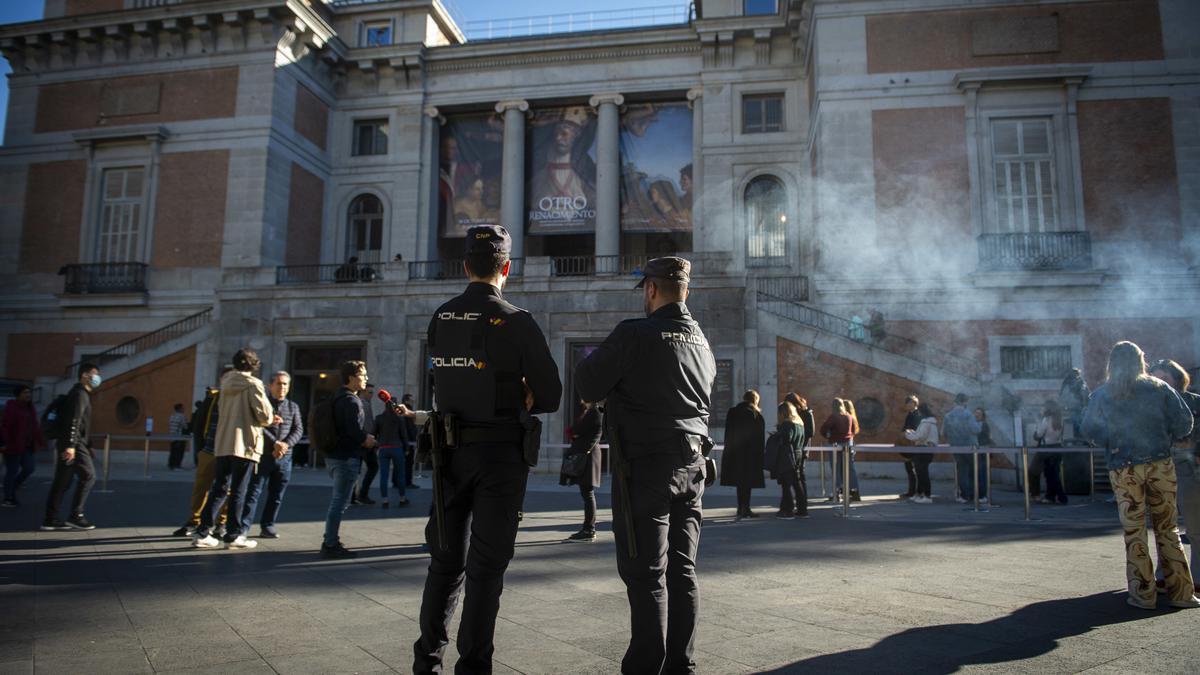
[766, 221]
[365, 229]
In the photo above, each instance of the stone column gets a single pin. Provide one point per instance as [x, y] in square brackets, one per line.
[427, 204]
[695, 102]
[608, 175]
[512, 173]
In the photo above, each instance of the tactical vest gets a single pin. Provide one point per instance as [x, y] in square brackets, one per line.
[466, 383]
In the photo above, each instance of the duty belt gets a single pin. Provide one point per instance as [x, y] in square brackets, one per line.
[471, 435]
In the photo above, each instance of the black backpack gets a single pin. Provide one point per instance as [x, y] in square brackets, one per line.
[53, 424]
[322, 433]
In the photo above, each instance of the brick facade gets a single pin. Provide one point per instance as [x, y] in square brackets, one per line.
[74, 7]
[189, 221]
[312, 116]
[156, 386]
[53, 213]
[54, 351]
[306, 203]
[170, 97]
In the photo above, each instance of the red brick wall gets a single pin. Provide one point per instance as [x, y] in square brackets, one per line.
[922, 180]
[47, 354]
[157, 386]
[1117, 30]
[1130, 186]
[74, 7]
[188, 95]
[306, 203]
[53, 211]
[312, 116]
[189, 216]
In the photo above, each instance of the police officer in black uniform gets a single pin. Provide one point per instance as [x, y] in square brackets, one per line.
[491, 363]
[657, 374]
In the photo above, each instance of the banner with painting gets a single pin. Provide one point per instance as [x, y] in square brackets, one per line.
[561, 159]
[471, 152]
[656, 168]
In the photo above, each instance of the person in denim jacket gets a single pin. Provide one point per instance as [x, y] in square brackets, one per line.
[1136, 418]
[962, 431]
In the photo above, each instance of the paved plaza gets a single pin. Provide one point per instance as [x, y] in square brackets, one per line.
[900, 588]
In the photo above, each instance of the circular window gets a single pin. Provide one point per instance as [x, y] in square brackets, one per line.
[128, 411]
[870, 414]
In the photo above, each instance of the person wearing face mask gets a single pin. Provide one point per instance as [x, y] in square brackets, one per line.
[74, 458]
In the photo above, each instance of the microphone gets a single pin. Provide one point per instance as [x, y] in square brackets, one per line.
[390, 402]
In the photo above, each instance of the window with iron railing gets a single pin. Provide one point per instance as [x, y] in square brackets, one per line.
[1023, 168]
[122, 215]
[365, 229]
[1039, 362]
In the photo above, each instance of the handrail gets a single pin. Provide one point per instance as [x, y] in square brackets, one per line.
[118, 277]
[1015, 251]
[149, 340]
[592, 265]
[328, 274]
[869, 336]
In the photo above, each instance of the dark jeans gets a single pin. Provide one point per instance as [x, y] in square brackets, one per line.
[589, 506]
[231, 482]
[910, 471]
[274, 474]
[343, 472]
[1052, 468]
[665, 502]
[17, 467]
[484, 492]
[391, 461]
[921, 467]
[965, 463]
[175, 458]
[410, 454]
[795, 492]
[371, 461]
[82, 467]
[743, 499]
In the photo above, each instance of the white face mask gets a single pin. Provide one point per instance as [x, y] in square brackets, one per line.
[95, 380]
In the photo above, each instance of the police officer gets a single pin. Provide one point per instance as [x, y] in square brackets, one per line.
[657, 374]
[490, 363]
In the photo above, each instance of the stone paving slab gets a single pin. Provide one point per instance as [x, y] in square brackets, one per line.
[898, 588]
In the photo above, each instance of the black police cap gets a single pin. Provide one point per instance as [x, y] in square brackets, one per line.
[668, 267]
[488, 239]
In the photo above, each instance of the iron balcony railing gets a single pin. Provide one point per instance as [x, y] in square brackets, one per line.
[869, 332]
[148, 341]
[789, 288]
[595, 265]
[328, 274]
[550, 24]
[438, 270]
[124, 277]
[1035, 251]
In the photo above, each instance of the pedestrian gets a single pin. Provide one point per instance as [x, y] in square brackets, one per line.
[243, 411]
[839, 429]
[657, 376]
[925, 435]
[20, 437]
[1049, 435]
[742, 459]
[911, 419]
[1073, 397]
[370, 458]
[74, 458]
[1136, 419]
[391, 433]
[275, 468]
[985, 429]
[962, 431]
[175, 424]
[492, 371]
[585, 440]
[345, 458]
[806, 415]
[789, 464]
[1185, 454]
[204, 436]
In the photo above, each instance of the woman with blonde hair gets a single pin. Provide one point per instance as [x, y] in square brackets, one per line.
[788, 467]
[1136, 418]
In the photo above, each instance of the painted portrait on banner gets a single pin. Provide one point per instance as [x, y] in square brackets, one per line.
[562, 171]
[469, 172]
[656, 168]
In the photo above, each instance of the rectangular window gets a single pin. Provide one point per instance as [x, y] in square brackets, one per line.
[370, 137]
[376, 33]
[121, 215]
[760, 7]
[762, 113]
[1025, 185]
[1036, 362]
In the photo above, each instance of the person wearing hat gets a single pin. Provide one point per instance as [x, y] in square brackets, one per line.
[657, 375]
[491, 368]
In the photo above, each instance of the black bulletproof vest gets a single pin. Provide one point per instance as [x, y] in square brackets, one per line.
[467, 381]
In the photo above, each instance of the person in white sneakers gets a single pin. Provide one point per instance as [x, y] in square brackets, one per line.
[926, 434]
[244, 410]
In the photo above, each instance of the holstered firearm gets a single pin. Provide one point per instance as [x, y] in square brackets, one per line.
[621, 469]
[439, 435]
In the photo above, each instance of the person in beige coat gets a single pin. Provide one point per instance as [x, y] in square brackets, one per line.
[244, 411]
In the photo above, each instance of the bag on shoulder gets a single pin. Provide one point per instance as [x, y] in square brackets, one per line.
[576, 464]
[322, 433]
[777, 445]
[53, 423]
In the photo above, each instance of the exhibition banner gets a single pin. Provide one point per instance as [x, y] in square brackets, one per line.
[561, 171]
[471, 153]
[656, 168]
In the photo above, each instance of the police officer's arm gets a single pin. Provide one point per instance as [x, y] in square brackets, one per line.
[603, 369]
[540, 371]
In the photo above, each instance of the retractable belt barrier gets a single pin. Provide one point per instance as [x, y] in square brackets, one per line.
[146, 440]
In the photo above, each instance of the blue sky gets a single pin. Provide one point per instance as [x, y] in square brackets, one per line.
[14, 11]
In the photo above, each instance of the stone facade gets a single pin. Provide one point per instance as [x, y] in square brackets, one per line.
[242, 113]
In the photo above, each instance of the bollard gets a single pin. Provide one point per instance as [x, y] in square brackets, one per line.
[975, 475]
[846, 480]
[107, 447]
[987, 477]
[1091, 476]
[1025, 478]
[146, 463]
[821, 462]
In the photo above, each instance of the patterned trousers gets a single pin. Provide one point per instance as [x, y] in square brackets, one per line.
[1138, 488]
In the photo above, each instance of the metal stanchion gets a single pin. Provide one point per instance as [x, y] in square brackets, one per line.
[846, 480]
[975, 476]
[956, 483]
[821, 462]
[146, 462]
[1025, 478]
[104, 475]
[1091, 477]
[987, 476]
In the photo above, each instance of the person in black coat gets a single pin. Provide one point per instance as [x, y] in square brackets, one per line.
[742, 460]
[585, 439]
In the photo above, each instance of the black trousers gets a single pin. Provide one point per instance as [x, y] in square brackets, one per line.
[484, 491]
[665, 495]
[795, 492]
[371, 461]
[1052, 470]
[911, 472]
[231, 482]
[743, 499]
[410, 454]
[589, 506]
[83, 468]
[921, 464]
[175, 458]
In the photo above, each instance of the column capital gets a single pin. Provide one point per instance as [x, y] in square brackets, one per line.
[694, 93]
[432, 113]
[515, 104]
[600, 99]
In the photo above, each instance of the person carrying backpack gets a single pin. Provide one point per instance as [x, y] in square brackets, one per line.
[204, 430]
[72, 431]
